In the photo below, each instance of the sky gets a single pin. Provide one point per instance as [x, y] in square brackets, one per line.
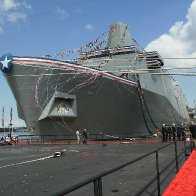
[37, 27]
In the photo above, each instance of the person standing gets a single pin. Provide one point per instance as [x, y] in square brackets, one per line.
[78, 136]
[85, 136]
[163, 131]
[168, 133]
[174, 131]
[183, 133]
[178, 133]
[192, 129]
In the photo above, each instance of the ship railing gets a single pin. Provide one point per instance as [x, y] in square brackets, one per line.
[68, 139]
[44, 139]
[98, 182]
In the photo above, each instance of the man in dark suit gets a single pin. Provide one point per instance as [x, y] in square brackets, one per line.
[85, 136]
[192, 129]
[163, 131]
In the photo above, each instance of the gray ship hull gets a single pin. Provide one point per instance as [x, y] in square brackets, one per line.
[99, 103]
[102, 90]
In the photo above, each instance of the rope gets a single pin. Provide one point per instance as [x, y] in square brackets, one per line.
[152, 121]
[141, 103]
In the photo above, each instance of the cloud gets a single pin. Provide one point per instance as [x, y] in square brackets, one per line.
[6, 5]
[63, 14]
[179, 42]
[19, 123]
[89, 27]
[1, 29]
[13, 17]
[12, 11]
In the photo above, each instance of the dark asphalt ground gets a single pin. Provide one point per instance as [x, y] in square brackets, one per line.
[23, 172]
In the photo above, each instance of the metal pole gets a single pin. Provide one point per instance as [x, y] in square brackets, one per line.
[185, 152]
[100, 186]
[12, 130]
[95, 187]
[158, 174]
[176, 157]
[4, 132]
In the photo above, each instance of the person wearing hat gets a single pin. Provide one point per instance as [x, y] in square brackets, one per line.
[174, 131]
[163, 131]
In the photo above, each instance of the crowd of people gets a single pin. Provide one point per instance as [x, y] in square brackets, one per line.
[7, 139]
[177, 132]
[173, 132]
[167, 133]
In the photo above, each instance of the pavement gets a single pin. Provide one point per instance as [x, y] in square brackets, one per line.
[33, 170]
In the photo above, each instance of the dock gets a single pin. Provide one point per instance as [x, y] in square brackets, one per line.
[33, 169]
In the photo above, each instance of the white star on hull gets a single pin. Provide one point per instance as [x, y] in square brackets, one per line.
[5, 63]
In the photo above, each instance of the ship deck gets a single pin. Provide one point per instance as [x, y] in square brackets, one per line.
[32, 170]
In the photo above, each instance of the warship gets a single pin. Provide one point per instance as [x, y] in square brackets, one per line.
[106, 90]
